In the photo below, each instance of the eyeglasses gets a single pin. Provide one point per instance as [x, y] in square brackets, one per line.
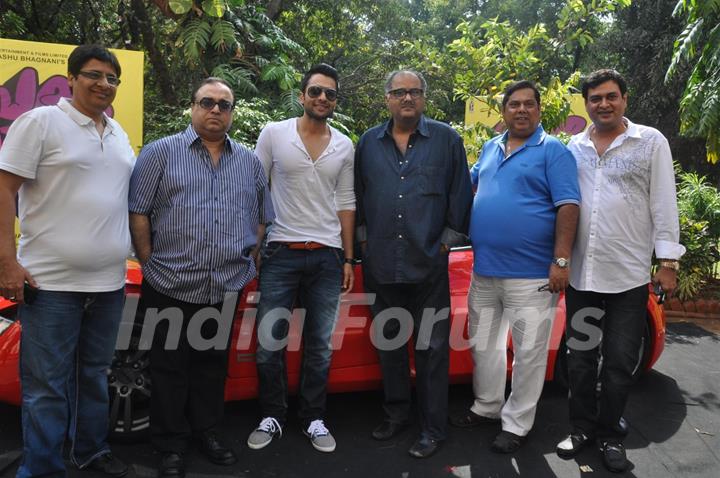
[209, 103]
[400, 93]
[112, 80]
[316, 91]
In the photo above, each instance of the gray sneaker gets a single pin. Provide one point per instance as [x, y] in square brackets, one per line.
[264, 433]
[320, 437]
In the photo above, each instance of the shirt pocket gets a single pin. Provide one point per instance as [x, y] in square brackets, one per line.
[432, 180]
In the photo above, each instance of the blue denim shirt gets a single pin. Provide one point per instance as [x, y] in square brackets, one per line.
[407, 206]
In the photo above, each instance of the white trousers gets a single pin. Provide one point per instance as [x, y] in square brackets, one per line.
[496, 305]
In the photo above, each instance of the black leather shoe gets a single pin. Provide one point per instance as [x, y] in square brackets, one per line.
[614, 456]
[172, 465]
[572, 444]
[215, 451]
[108, 465]
[424, 447]
[507, 442]
[471, 420]
[387, 430]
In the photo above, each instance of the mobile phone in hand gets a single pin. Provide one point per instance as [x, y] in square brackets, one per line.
[29, 293]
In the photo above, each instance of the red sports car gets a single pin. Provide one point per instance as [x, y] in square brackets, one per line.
[354, 363]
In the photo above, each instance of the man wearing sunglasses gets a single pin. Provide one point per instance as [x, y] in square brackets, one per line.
[414, 196]
[308, 259]
[71, 165]
[198, 206]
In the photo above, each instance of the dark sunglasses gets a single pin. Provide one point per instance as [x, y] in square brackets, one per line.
[209, 104]
[400, 93]
[112, 80]
[316, 91]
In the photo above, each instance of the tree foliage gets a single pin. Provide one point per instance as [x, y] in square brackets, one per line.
[699, 45]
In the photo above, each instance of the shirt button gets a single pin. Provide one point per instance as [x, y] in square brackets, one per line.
[400, 196]
[216, 198]
[399, 236]
[400, 216]
[409, 145]
[594, 211]
[402, 177]
[217, 222]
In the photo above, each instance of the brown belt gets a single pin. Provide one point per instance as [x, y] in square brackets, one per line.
[305, 246]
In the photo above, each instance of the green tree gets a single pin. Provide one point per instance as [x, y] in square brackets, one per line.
[699, 46]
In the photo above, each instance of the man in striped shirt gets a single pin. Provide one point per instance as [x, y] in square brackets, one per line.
[308, 255]
[198, 205]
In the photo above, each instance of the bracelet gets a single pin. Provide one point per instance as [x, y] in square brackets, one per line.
[351, 261]
[670, 264]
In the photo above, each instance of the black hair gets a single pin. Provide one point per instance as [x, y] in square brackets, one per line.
[597, 78]
[85, 53]
[520, 85]
[322, 69]
[207, 81]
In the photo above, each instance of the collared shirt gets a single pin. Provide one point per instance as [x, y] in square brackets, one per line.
[512, 227]
[628, 208]
[73, 207]
[306, 194]
[204, 219]
[408, 211]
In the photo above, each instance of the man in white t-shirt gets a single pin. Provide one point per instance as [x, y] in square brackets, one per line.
[71, 165]
[308, 257]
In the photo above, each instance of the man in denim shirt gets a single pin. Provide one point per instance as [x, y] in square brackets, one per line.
[413, 202]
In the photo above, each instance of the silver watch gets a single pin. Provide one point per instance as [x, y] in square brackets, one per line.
[561, 262]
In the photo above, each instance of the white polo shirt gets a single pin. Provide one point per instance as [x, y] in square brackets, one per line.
[73, 207]
[306, 195]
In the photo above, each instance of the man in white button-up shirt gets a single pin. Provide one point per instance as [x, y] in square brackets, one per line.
[628, 210]
[308, 256]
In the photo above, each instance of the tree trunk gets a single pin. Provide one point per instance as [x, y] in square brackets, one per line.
[156, 58]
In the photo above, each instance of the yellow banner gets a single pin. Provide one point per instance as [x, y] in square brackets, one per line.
[478, 111]
[35, 74]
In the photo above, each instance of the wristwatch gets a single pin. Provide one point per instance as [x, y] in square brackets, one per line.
[561, 262]
[351, 261]
[669, 264]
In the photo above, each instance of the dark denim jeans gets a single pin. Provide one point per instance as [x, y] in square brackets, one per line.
[621, 317]
[67, 345]
[314, 278]
[431, 355]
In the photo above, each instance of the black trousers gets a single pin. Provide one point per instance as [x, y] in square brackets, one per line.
[621, 318]
[431, 341]
[188, 384]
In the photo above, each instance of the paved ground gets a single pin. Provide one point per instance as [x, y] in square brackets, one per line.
[674, 414]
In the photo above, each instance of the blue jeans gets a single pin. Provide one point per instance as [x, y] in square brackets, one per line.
[315, 279]
[66, 348]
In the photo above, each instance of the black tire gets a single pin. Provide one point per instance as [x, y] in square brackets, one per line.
[129, 388]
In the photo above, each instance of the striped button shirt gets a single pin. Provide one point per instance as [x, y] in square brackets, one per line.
[204, 219]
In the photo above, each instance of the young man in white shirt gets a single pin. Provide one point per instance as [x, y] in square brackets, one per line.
[308, 256]
[628, 209]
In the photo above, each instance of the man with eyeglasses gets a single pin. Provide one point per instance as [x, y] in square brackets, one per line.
[308, 259]
[71, 165]
[198, 209]
[414, 195]
[522, 231]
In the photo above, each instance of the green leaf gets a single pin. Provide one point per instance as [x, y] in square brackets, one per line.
[223, 35]
[214, 8]
[194, 38]
[180, 7]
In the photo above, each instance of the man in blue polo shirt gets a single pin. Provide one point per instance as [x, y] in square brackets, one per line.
[522, 229]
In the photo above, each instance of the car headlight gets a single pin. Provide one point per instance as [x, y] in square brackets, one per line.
[4, 324]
